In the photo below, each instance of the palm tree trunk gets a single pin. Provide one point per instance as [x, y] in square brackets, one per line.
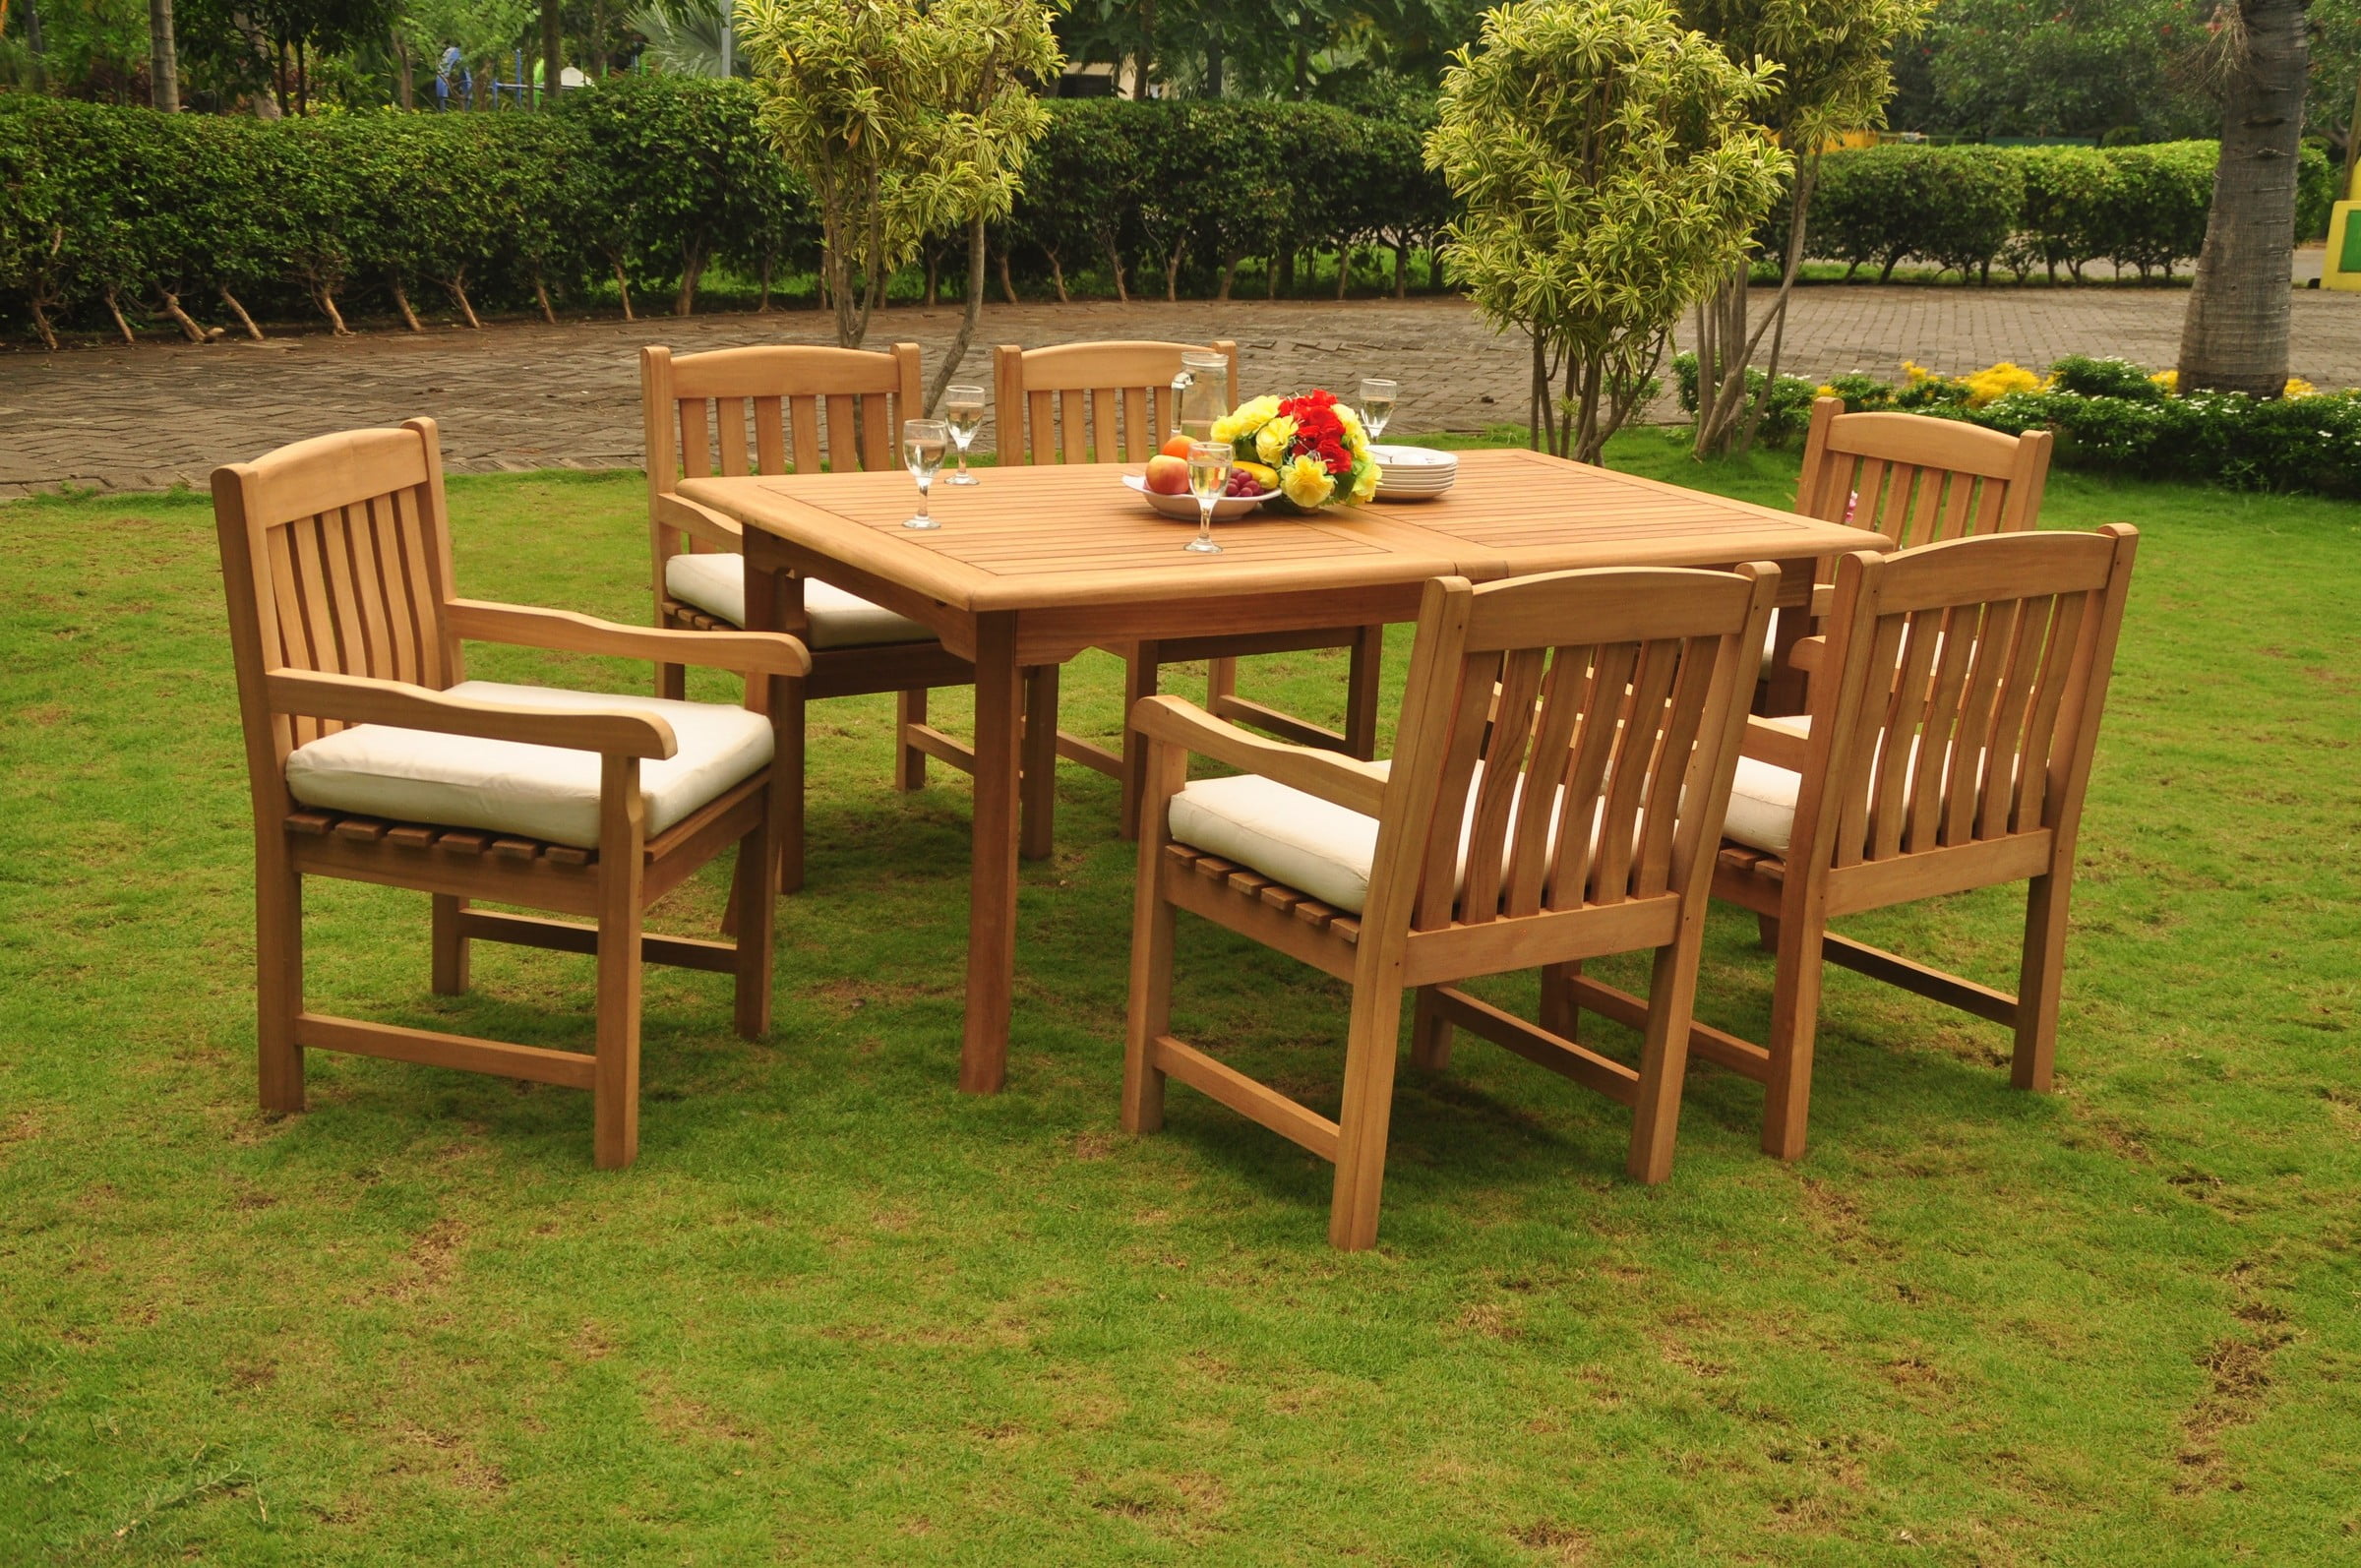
[163, 61]
[2234, 337]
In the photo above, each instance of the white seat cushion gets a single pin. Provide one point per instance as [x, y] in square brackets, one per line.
[714, 580]
[544, 792]
[1313, 846]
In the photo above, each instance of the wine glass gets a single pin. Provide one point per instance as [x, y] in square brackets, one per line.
[1208, 477]
[963, 411]
[923, 444]
[1376, 405]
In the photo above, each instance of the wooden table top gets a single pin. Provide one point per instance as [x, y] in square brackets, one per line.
[1061, 535]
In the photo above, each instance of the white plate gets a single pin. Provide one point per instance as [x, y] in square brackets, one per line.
[1385, 494]
[1184, 508]
[1422, 460]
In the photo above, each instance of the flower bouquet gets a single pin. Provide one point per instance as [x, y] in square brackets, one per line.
[1311, 450]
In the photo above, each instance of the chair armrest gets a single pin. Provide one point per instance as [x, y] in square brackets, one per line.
[1767, 743]
[1808, 654]
[750, 653]
[701, 522]
[1824, 600]
[1332, 778]
[362, 699]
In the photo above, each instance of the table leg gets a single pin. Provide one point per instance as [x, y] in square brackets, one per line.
[992, 878]
[1038, 806]
[1140, 679]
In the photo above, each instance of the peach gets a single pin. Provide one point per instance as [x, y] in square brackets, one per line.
[1168, 476]
[1178, 447]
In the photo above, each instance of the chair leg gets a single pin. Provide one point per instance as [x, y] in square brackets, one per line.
[2039, 979]
[1362, 692]
[1141, 672]
[1365, 1116]
[1560, 1014]
[1429, 1035]
[756, 910]
[1794, 1020]
[450, 947]
[622, 869]
[1766, 931]
[1665, 1054]
[278, 976]
[672, 681]
[788, 693]
[1221, 684]
[1037, 782]
[909, 763]
[1150, 1013]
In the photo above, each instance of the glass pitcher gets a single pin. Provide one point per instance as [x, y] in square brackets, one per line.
[1200, 394]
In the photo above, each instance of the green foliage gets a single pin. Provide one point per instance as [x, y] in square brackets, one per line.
[906, 120]
[1833, 57]
[1608, 174]
[2108, 414]
[1786, 409]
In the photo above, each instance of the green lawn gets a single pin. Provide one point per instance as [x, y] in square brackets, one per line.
[839, 1312]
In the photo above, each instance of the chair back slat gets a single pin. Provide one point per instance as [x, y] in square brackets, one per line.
[1961, 716]
[1568, 775]
[771, 410]
[335, 558]
[1086, 402]
[1920, 479]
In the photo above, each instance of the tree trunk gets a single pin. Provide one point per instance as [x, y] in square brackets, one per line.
[693, 266]
[1401, 270]
[1008, 283]
[1725, 348]
[303, 78]
[40, 83]
[1229, 277]
[1115, 258]
[457, 288]
[2234, 337]
[1057, 280]
[552, 55]
[1172, 273]
[934, 278]
[404, 89]
[762, 300]
[948, 367]
[623, 286]
[239, 311]
[163, 61]
[116, 311]
[188, 327]
[541, 295]
[279, 78]
[326, 298]
[1344, 269]
[401, 302]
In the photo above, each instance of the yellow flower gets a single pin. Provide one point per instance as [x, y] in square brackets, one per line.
[1997, 382]
[1306, 482]
[1366, 485]
[1826, 390]
[2169, 379]
[1246, 419]
[1270, 441]
[1917, 372]
[2297, 386]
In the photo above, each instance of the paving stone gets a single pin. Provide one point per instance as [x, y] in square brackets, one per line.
[521, 395]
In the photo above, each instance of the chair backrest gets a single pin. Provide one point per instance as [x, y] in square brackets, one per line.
[1918, 480]
[1962, 688]
[335, 556]
[698, 409]
[1536, 772]
[1062, 405]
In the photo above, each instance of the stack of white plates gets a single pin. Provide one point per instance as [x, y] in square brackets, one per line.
[1413, 473]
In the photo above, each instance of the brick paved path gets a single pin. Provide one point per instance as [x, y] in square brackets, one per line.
[529, 396]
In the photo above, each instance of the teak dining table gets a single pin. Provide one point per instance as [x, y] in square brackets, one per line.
[1036, 563]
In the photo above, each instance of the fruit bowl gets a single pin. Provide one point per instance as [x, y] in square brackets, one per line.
[1184, 508]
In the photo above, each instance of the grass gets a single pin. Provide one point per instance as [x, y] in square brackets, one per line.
[841, 1314]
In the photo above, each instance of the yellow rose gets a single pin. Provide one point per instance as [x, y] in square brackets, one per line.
[1306, 482]
[1270, 441]
[1366, 485]
[1246, 419]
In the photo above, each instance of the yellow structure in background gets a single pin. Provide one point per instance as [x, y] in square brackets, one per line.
[2341, 267]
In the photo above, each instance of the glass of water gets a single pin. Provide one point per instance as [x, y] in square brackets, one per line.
[923, 445]
[963, 411]
[1208, 477]
[1376, 405]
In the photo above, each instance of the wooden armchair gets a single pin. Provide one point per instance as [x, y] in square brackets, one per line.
[1947, 748]
[696, 409]
[1060, 406]
[374, 758]
[1913, 478]
[1580, 822]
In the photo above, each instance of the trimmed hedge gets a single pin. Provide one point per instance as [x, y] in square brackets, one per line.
[1964, 208]
[648, 182]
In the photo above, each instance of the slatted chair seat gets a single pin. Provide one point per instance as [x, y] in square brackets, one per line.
[354, 827]
[1548, 803]
[713, 583]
